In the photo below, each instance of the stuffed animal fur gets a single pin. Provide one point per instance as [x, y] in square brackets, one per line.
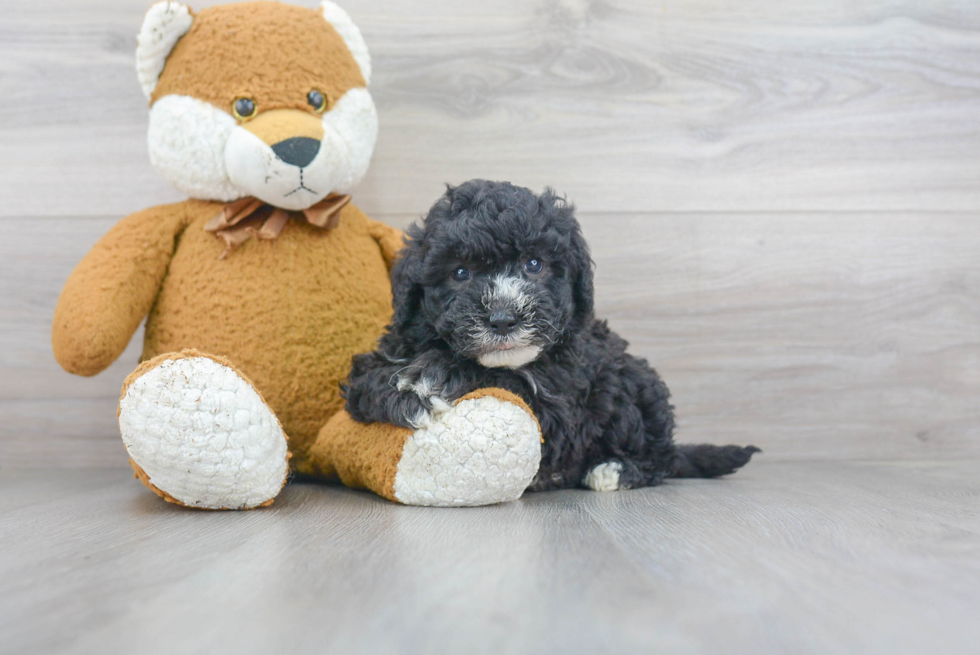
[259, 289]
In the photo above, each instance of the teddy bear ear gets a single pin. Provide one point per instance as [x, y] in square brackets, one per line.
[163, 26]
[351, 35]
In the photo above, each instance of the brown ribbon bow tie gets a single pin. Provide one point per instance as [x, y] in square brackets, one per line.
[242, 219]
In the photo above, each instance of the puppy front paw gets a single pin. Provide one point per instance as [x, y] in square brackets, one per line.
[426, 375]
[413, 411]
[421, 396]
[437, 407]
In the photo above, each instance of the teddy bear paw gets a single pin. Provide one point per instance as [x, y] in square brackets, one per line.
[482, 451]
[199, 434]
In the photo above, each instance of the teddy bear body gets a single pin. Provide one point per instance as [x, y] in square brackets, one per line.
[258, 291]
[289, 313]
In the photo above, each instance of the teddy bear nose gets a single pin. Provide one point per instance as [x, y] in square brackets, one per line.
[298, 151]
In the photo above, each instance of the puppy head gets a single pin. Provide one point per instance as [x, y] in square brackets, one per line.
[496, 272]
[257, 99]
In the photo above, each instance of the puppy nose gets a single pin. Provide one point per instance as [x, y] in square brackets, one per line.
[502, 321]
[298, 151]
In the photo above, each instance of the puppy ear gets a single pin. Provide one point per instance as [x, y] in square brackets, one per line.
[583, 289]
[578, 260]
[406, 281]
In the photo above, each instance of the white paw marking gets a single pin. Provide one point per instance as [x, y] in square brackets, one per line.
[423, 387]
[203, 435]
[421, 420]
[439, 406]
[604, 477]
[480, 452]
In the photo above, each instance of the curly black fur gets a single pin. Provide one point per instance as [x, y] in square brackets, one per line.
[454, 332]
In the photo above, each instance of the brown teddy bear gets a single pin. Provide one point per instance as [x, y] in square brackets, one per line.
[259, 289]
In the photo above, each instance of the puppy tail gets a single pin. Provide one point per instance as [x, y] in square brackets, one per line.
[705, 461]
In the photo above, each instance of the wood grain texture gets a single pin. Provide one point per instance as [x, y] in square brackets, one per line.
[816, 335]
[785, 557]
[809, 335]
[781, 196]
[628, 105]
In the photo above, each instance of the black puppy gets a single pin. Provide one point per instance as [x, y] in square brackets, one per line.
[494, 289]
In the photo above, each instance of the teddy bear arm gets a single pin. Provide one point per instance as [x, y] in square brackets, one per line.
[485, 449]
[113, 288]
[389, 239]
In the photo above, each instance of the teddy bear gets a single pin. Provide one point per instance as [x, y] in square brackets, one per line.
[259, 289]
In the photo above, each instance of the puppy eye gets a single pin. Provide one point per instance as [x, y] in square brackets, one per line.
[317, 101]
[243, 108]
[533, 266]
[461, 275]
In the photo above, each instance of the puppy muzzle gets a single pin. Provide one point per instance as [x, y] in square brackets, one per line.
[505, 336]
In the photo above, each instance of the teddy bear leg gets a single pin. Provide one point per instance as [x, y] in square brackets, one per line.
[484, 450]
[199, 434]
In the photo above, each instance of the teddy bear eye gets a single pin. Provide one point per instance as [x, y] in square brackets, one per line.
[316, 100]
[461, 274]
[243, 108]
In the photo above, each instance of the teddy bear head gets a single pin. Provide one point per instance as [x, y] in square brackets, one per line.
[257, 99]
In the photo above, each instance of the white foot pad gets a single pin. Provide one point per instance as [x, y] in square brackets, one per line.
[482, 451]
[203, 435]
[604, 477]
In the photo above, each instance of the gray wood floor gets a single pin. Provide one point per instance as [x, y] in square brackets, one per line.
[785, 557]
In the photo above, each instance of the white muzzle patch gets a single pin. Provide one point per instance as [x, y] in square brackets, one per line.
[510, 358]
[508, 291]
